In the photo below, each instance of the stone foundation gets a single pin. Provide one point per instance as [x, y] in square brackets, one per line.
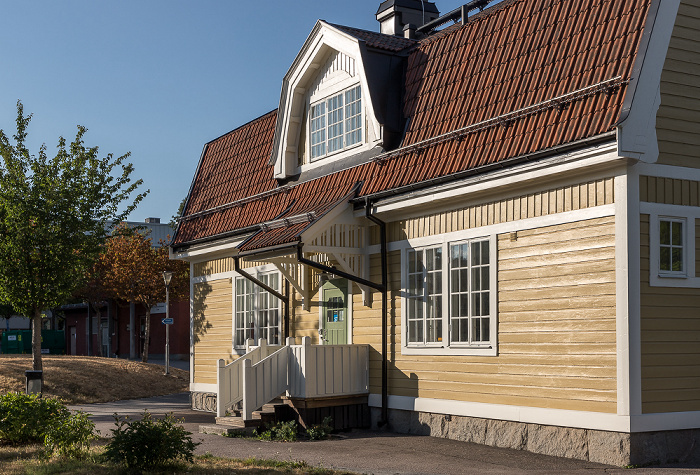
[612, 448]
[201, 401]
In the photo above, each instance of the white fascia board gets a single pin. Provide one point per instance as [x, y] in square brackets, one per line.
[209, 250]
[322, 39]
[601, 159]
[637, 130]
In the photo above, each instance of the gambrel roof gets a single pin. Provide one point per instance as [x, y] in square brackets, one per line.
[521, 78]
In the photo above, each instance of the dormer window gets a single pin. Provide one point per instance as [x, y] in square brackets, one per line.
[336, 123]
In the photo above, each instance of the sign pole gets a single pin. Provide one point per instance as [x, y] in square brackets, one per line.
[166, 277]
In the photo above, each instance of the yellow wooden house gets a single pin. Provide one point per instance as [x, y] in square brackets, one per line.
[487, 231]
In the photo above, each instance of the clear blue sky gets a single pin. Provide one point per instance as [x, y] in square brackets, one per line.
[158, 78]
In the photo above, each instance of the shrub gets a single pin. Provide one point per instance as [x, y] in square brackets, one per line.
[286, 431]
[71, 437]
[148, 443]
[28, 418]
[322, 430]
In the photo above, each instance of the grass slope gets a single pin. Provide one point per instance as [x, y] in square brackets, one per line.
[84, 379]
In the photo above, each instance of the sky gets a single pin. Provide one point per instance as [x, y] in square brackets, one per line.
[156, 78]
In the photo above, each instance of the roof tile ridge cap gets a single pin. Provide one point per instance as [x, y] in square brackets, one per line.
[242, 126]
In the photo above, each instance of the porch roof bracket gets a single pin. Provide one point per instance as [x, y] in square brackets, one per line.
[336, 271]
[237, 268]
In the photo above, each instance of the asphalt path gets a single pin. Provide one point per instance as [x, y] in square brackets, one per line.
[362, 451]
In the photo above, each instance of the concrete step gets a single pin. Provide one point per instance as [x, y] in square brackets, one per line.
[237, 422]
[219, 429]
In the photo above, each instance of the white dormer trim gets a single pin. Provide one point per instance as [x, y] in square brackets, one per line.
[298, 88]
[637, 129]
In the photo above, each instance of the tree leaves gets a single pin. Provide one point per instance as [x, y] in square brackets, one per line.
[54, 216]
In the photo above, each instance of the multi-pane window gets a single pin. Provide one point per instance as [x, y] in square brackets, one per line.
[336, 123]
[459, 313]
[318, 130]
[257, 313]
[671, 245]
[424, 299]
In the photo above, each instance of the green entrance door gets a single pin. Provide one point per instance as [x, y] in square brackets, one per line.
[334, 324]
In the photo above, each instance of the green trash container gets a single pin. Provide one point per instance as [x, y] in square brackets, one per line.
[13, 342]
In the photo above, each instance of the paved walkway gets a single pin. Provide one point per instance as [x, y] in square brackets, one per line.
[364, 451]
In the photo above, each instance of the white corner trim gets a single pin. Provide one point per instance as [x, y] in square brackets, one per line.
[622, 290]
[637, 133]
[530, 415]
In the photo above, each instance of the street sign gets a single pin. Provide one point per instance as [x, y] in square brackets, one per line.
[167, 321]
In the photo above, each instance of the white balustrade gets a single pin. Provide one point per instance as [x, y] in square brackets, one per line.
[302, 371]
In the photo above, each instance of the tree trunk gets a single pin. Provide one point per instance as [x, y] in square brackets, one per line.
[36, 341]
[147, 336]
[132, 331]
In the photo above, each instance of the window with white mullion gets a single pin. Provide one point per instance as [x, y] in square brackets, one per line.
[318, 130]
[353, 116]
[335, 123]
[671, 246]
[480, 292]
[245, 311]
[268, 314]
[424, 296]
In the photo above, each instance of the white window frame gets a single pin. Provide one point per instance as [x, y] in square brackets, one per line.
[328, 95]
[687, 215]
[259, 294]
[445, 347]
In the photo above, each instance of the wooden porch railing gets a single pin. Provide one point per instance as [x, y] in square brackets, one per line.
[300, 371]
[230, 377]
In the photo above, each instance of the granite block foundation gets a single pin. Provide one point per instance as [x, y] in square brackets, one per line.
[612, 448]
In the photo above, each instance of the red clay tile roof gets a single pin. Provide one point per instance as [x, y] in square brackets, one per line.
[378, 40]
[523, 77]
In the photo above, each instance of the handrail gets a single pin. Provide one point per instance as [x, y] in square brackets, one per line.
[302, 371]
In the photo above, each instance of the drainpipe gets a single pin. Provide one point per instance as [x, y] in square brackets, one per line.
[385, 319]
[382, 287]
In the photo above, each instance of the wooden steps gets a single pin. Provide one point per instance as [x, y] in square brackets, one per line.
[235, 423]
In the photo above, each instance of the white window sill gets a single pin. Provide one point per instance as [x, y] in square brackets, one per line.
[449, 351]
[671, 280]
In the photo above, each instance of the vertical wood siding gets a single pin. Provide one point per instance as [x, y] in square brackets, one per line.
[679, 113]
[670, 191]
[215, 266]
[557, 344]
[212, 318]
[670, 332]
[556, 200]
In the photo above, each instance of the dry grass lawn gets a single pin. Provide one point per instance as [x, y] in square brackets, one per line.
[85, 380]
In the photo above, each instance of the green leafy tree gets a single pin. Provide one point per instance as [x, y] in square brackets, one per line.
[54, 215]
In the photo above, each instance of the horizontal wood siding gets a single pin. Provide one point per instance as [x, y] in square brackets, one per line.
[556, 200]
[670, 191]
[670, 332]
[215, 266]
[557, 344]
[679, 113]
[212, 320]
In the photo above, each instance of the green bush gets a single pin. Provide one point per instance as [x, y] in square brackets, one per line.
[27, 419]
[70, 438]
[148, 443]
[286, 431]
[322, 430]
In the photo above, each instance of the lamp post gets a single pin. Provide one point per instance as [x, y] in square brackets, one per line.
[167, 275]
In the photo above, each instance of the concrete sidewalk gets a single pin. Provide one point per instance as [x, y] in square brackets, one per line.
[363, 451]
